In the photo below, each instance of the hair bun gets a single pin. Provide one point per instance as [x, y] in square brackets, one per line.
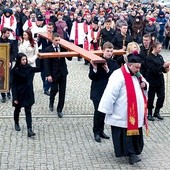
[135, 53]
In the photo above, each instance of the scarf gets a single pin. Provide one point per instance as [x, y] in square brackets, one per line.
[3, 21]
[132, 117]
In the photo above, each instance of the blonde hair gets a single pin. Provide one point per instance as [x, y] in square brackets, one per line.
[129, 49]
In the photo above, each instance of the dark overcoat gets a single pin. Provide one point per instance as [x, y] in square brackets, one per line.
[100, 79]
[22, 85]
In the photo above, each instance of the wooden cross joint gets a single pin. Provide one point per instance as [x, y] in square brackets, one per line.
[74, 51]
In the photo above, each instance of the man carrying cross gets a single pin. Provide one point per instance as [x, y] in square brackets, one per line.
[56, 73]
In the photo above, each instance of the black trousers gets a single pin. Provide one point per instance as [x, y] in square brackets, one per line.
[126, 145]
[98, 119]
[28, 115]
[58, 86]
[160, 92]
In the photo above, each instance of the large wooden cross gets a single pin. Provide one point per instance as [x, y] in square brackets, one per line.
[74, 50]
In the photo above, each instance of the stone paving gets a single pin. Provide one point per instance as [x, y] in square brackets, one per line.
[67, 143]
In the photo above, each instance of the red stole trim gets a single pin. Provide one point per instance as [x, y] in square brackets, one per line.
[86, 43]
[145, 109]
[76, 33]
[132, 117]
[29, 23]
[3, 21]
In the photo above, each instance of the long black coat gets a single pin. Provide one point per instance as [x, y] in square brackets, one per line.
[22, 85]
[100, 79]
[155, 70]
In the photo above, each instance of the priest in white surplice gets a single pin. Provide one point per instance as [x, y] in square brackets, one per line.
[124, 102]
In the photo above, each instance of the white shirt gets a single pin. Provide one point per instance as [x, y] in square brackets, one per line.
[114, 100]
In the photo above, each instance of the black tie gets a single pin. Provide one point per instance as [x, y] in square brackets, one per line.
[56, 49]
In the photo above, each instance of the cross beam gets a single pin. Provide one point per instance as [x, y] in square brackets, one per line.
[75, 51]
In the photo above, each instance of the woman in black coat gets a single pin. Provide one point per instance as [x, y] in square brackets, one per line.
[22, 90]
[154, 75]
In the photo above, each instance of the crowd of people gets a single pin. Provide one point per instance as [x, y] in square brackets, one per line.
[119, 87]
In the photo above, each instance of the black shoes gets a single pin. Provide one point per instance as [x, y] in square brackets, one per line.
[3, 100]
[79, 59]
[97, 138]
[158, 116]
[30, 133]
[47, 93]
[134, 159]
[9, 96]
[17, 127]
[60, 114]
[150, 118]
[104, 136]
[51, 108]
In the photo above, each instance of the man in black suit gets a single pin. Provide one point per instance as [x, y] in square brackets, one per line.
[56, 73]
[99, 74]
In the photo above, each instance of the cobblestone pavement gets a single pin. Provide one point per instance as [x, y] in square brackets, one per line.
[67, 143]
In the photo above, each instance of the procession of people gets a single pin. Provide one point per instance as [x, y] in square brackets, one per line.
[122, 89]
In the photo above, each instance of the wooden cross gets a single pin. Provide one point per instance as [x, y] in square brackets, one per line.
[74, 50]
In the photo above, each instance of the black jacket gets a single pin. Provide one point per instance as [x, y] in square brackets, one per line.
[107, 35]
[144, 54]
[155, 70]
[22, 85]
[100, 79]
[55, 67]
[117, 40]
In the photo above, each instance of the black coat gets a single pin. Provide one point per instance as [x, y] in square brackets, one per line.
[155, 70]
[107, 35]
[22, 85]
[55, 67]
[100, 79]
[117, 40]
